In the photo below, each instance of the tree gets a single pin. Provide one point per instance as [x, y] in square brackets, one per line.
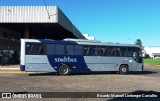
[138, 42]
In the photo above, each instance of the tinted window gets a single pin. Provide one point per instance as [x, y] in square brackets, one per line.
[118, 51]
[123, 51]
[35, 48]
[70, 49]
[86, 50]
[103, 50]
[78, 50]
[107, 51]
[111, 51]
[129, 52]
[91, 50]
[96, 50]
[51, 49]
[59, 49]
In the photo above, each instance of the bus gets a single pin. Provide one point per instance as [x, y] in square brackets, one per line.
[79, 55]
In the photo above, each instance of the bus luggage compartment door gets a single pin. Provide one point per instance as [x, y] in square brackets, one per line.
[36, 63]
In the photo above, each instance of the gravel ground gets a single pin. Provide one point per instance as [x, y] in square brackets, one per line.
[148, 81]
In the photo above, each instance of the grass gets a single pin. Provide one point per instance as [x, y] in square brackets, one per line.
[152, 61]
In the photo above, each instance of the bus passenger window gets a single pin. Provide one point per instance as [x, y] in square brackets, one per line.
[93, 51]
[86, 50]
[118, 52]
[70, 49]
[113, 51]
[59, 49]
[103, 51]
[129, 51]
[78, 50]
[124, 51]
[51, 49]
[96, 51]
[41, 49]
[35, 49]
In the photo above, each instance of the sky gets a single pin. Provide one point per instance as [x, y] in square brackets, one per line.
[121, 21]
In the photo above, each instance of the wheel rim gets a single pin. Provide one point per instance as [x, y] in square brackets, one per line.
[64, 70]
[124, 70]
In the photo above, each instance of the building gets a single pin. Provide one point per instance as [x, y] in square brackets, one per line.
[38, 22]
[89, 37]
[152, 51]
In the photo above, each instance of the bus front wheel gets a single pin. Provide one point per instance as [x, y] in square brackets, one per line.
[123, 69]
[64, 69]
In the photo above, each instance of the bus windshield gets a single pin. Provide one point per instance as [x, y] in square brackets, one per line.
[137, 55]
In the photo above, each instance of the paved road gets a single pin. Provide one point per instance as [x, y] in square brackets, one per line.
[148, 81]
[152, 71]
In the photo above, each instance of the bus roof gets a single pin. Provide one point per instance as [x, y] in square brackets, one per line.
[79, 41]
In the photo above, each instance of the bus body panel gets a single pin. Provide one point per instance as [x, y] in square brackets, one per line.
[80, 63]
[101, 63]
[38, 63]
[98, 63]
[137, 67]
[77, 63]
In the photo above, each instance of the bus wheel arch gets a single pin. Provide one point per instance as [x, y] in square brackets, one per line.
[123, 69]
[64, 69]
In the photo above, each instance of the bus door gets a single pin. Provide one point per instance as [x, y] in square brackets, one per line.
[137, 56]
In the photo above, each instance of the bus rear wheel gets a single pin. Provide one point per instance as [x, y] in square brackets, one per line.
[64, 70]
[123, 69]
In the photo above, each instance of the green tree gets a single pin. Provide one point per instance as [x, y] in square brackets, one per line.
[138, 42]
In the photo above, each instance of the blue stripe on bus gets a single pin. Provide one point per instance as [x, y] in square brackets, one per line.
[77, 63]
[57, 42]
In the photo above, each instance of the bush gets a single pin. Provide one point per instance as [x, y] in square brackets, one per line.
[146, 56]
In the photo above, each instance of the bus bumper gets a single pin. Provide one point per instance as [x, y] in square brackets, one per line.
[22, 67]
[142, 68]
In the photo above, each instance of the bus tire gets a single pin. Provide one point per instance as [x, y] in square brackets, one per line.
[123, 69]
[64, 70]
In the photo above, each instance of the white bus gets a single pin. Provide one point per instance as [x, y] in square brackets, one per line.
[78, 55]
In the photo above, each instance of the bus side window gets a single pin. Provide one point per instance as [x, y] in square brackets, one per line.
[70, 49]
[35, 48]
[86, 50]
[93, 51]
[124, 51]
[90, 50]
[96, 51]
[113, 51]
[51, 49]
[78, 50]
[118, 52]
[41, 50]
[129, 51]
[28, 48]
[59, 49]
[103, 51]
[31, 48]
